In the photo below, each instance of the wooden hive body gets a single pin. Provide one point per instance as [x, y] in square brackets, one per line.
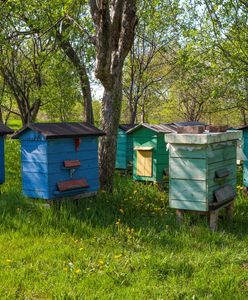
[195, 162]
[124, 151]
[149, 151]
[53, 167]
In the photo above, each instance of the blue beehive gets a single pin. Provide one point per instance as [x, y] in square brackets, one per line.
[59, 159]
[4, 130]
[245, 152]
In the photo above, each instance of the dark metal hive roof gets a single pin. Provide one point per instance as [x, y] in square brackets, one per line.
[5, 130]
[62, 130]
[127, 127]
[242, 127]
[165, 128]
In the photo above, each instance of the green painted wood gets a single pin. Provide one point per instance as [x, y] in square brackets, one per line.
[189, 205]
[145, 137]
[211, 189]
[192, 172]
[212, 179]
[184, 153]
[189, 168]
[121, 150]
[188, 190]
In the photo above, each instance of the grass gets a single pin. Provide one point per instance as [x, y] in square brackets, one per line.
[121, 246]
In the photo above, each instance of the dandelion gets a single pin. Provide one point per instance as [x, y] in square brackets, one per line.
[8, 261]
[118, 222]
[122, 210]
[65, 269]
[78, 271]
[135, 191]
[118, 256]
[81, 249]
[101, 262]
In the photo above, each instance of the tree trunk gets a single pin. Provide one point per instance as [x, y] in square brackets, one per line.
[110, 116]
[115, 23]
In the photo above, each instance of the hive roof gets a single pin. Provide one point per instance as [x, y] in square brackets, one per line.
[5, 130]
[61, 130]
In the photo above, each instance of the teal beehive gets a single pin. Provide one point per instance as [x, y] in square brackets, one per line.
[124, 150]
[245, 156]
[202, 170]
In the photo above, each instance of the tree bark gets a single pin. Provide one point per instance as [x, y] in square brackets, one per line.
[83, 76]
[115, 22]
[111, 110]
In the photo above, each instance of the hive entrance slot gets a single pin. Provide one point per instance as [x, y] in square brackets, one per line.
[223, 173]
[70, 185]
[71, 164]
[223, 195]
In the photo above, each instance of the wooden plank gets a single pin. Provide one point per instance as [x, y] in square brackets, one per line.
[144, 163]
[188, 190]
[188, 168]
[177, 151]
[71, 163]
[69, 185]
[189, 205]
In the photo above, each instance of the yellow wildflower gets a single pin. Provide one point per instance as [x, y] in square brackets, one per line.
[118, 222]
[81, 249]
[118, 256]
[8, 261]
[65, 269]
[77, 271]
[101, 262]
[122, 210]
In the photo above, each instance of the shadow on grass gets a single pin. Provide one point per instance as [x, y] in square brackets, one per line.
[138, 206]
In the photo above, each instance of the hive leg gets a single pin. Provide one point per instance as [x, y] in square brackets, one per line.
[179, 214]
[229, 211]
[213, 220]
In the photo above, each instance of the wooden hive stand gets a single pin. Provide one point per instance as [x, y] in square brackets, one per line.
[212, 214]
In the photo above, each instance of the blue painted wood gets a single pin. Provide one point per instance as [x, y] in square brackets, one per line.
[43, 164]
[2, 170]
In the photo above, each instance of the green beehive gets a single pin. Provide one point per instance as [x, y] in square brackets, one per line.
[150, 158]
[202, 170]
[124, 151]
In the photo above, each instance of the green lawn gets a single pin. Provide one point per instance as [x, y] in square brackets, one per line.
[121, 246]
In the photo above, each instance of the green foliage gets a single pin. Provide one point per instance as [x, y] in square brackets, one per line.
[124, 245]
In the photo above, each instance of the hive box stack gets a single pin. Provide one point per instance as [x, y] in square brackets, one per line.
[202, 170]
[4, 130]
[59, 159]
